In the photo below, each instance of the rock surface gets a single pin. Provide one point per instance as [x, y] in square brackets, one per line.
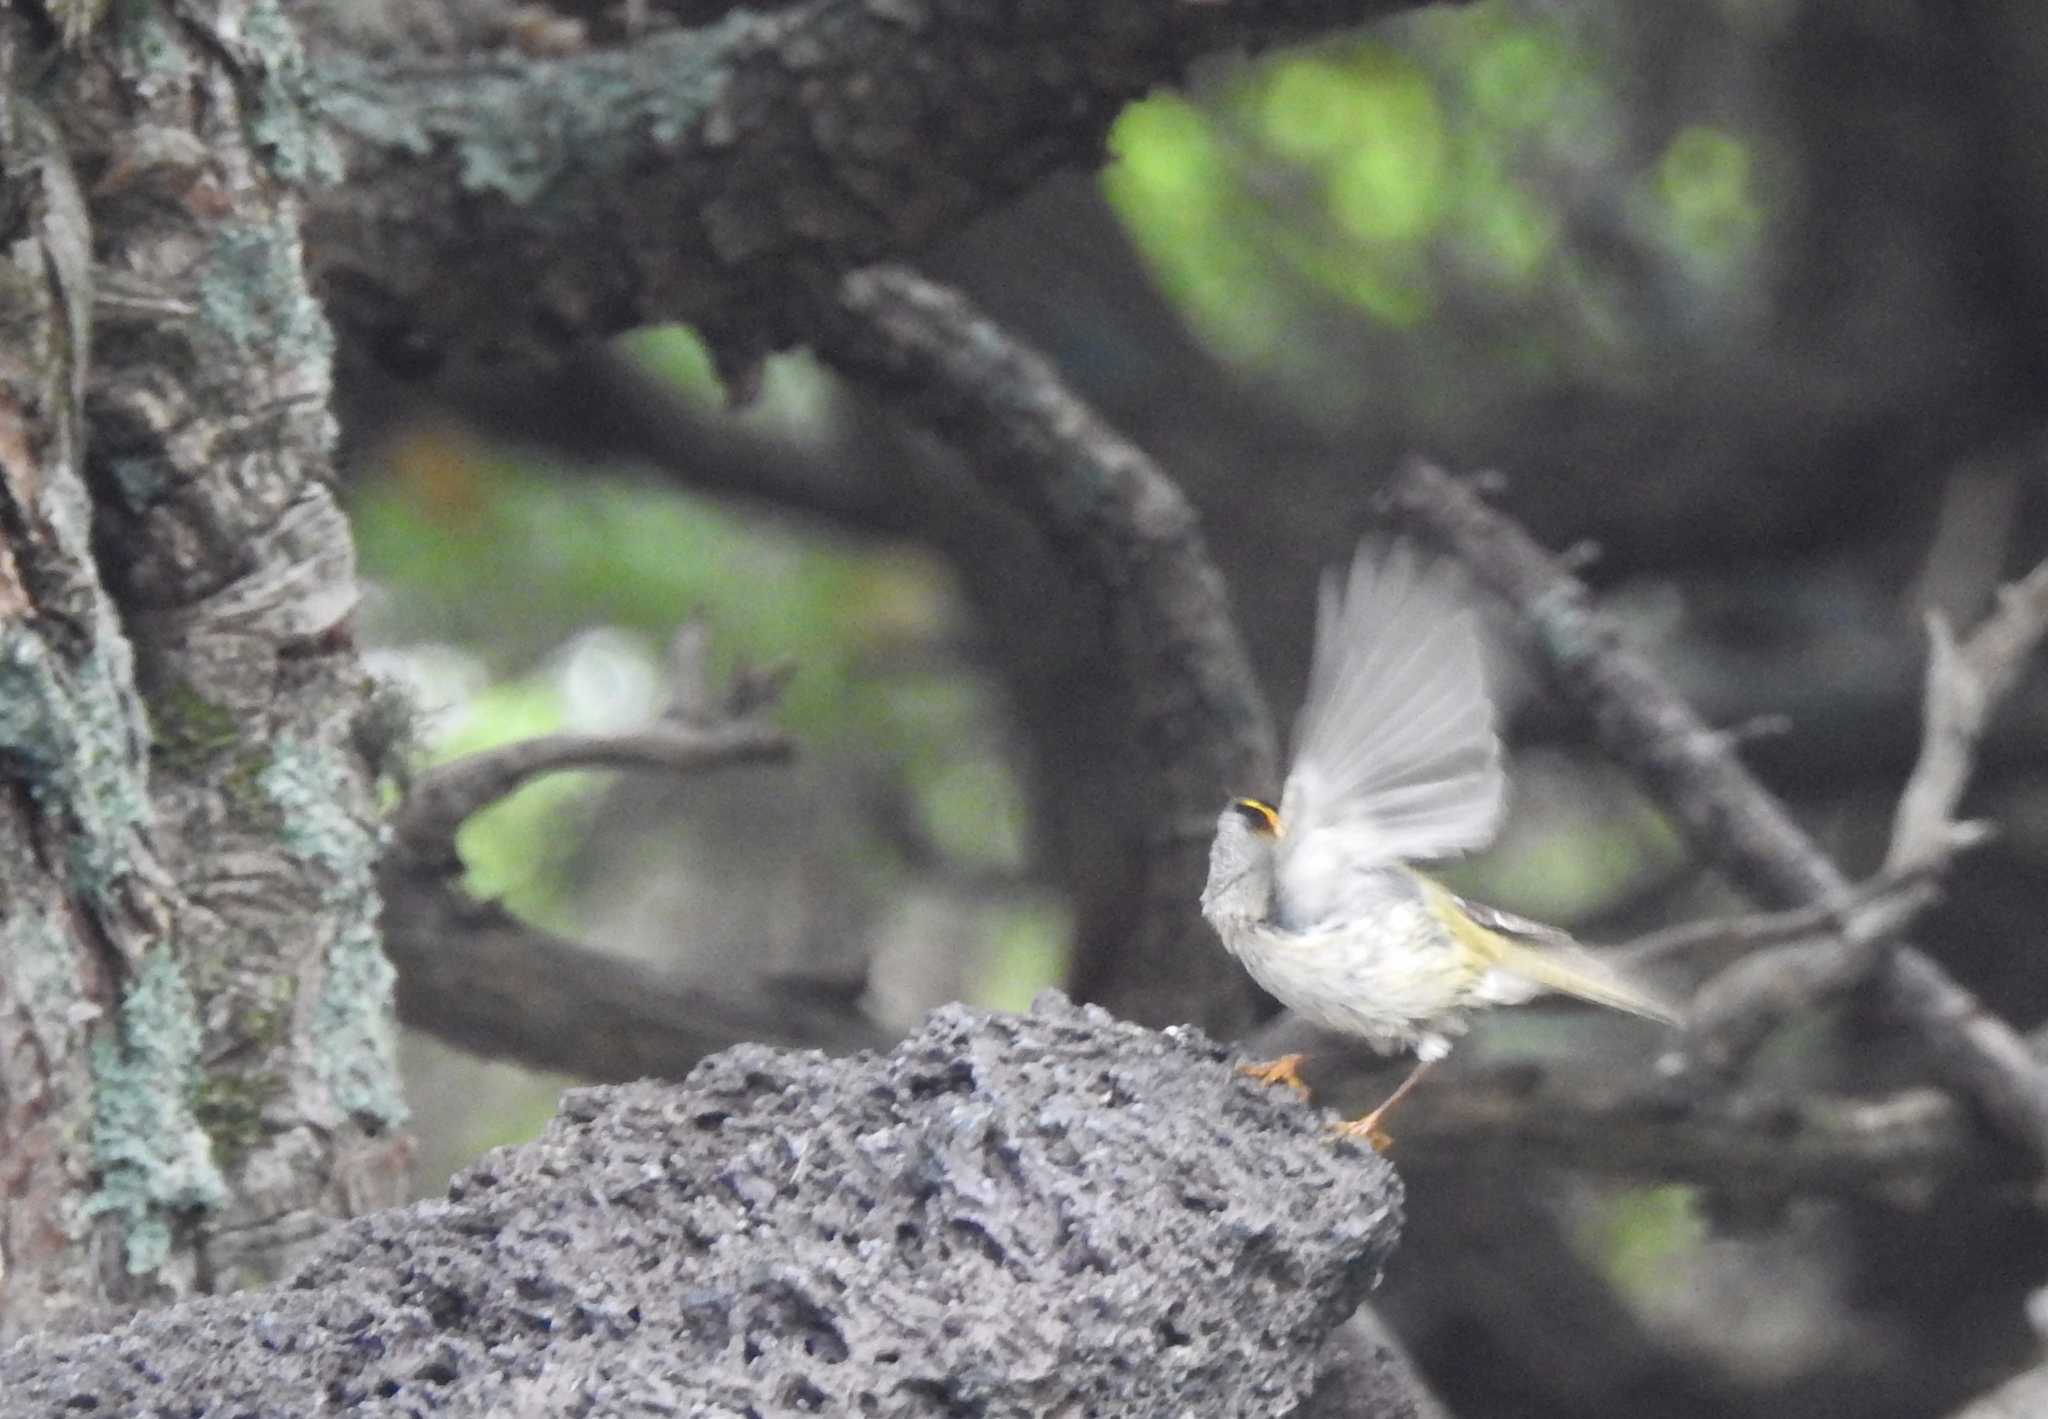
[1053, 1213]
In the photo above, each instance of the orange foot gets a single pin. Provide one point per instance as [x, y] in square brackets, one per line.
[1284, 1070]
[1367, 1129]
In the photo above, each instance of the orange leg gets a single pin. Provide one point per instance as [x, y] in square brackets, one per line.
[1284, 1070]
[1368, 1127]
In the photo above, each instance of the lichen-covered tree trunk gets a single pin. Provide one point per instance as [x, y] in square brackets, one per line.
[195, 1064]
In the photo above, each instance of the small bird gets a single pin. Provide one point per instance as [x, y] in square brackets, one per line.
[1395, 760]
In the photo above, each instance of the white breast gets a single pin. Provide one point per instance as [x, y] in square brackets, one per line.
[1394, 978]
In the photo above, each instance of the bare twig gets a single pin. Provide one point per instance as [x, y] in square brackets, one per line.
[1904, 895]
[1732, 819]
[475, 976]
[1689, 765]
[448, 796]
[1120, 525]
[1965, 685]
[704, 728]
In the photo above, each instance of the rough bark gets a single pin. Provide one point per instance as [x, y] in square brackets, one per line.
[1051, 1213]
[197, 1069]
[712, 175]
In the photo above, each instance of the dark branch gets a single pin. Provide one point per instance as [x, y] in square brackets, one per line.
[509, 207]
[473, 975]
[1898, 1149]
[1120, 525]
[1732, 819]
[602, 406]
[1689, 766]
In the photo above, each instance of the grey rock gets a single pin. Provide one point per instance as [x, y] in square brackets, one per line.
[1054, 1213]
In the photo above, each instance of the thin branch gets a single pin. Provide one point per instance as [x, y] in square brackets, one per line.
[1965, 685]
[474, 976]
[446, 797]
[703, 728]
[602, 407]
[1895, 899]
[1121, 526]
[1731, 819]
[1689, 766]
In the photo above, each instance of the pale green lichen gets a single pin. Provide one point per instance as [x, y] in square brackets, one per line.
[151, 46]
[283, 116]
[521, 138]
[354, 1043]
[253, 294]
[153, 1158]
[74, 736]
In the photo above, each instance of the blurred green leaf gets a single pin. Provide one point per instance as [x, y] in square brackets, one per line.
[1637, 1235]
[1704, 184]
[1030, 953]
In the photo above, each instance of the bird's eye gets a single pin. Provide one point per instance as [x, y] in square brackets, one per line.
[1263, 816]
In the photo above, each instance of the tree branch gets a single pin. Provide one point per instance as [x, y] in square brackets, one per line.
[1965, 686]
[448, 795]
[506, 208]
[471, 974]
[475, 976]
[1729, 816]
[1898, 1149]
[1119, 524]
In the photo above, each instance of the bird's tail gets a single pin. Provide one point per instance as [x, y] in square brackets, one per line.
[1567, 970]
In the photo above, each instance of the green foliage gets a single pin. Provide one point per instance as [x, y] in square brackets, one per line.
[511, 563]
[1420, 172]
[1636, 1235]
[1706, 198]
[1029, 953]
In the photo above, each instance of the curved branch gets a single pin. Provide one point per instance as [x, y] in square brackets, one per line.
[1122, 526]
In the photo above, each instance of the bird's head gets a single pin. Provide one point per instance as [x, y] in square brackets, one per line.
[1241, 859]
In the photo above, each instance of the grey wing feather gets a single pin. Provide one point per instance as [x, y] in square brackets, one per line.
[1520, 927]
[1395, 754]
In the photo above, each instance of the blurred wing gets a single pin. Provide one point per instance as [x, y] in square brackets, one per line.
[1395, 755]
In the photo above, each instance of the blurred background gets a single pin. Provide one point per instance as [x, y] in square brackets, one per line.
[1750, 296]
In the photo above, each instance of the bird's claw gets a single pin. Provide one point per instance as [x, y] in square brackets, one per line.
[1284, 1070]
[1367, 1130]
